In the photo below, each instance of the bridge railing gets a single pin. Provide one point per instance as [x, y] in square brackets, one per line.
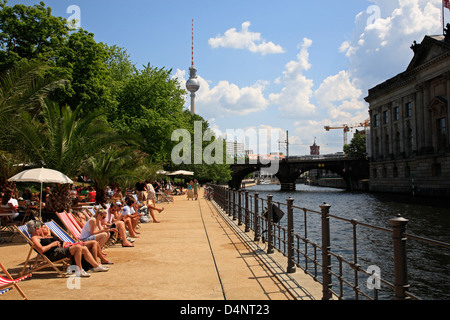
[309, 247]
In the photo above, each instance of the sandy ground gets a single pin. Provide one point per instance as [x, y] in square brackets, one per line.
[193, 254]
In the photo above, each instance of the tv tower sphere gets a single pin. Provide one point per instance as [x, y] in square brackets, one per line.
[193, 84]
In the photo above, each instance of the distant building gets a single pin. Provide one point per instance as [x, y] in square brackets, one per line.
[314, 149]
[235, 148]
[409, 133]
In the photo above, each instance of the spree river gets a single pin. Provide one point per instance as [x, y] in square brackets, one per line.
[428, 265]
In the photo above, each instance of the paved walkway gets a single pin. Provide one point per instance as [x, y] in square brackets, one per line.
[193, 254]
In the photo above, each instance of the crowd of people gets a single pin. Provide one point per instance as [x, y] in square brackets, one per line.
[116, 220]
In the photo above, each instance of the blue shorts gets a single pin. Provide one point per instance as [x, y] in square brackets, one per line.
[92, 237]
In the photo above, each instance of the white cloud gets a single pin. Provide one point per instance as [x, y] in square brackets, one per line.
[245, 39]
[341, 99]
[380, 48]
[294, 98]
[226, 98]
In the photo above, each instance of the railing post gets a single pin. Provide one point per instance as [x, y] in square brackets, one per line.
[247, 226]
[290, 250]
[240, 207]
[269, 225]
[400, 263]
[234, 204]
[256, 219]
[326, 256]
[227, 200]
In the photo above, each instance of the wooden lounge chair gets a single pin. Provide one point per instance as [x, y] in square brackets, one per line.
[72, 228]
[41, 261]
[59, 232]
[6, 284]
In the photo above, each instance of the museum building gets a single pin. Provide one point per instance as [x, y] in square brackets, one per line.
[409, 124]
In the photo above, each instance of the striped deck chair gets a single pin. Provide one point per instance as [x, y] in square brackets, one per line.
[59, 232]
[41, 261]
[6, 284]
[73, 229]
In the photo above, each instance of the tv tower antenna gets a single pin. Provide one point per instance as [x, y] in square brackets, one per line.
[192, 85]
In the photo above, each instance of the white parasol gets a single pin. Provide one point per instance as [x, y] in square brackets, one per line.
[41, 175]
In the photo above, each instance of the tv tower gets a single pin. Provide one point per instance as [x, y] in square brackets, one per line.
[192, 85]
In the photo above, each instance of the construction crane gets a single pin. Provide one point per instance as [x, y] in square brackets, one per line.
[347, 128]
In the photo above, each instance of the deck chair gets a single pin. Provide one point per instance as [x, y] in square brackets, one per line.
[41, 261]
[6, 284]
[59, 232]
[73, 230]
[164, 197]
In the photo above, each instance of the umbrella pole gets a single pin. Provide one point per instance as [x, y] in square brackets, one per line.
[40, 204]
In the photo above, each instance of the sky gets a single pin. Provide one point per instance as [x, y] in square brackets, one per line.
[288, 67]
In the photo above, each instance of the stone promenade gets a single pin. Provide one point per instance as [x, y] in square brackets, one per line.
[194, 253]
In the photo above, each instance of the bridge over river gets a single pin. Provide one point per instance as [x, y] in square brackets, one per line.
[352, 170]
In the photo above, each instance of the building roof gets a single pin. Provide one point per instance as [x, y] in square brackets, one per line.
[430, 50]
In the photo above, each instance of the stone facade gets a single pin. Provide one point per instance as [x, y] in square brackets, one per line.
[409, 131]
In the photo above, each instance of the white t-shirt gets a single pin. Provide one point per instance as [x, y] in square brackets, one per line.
[127, 210]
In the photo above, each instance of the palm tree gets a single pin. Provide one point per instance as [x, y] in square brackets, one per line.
[59, 139]
[112, 166]
[22, 88]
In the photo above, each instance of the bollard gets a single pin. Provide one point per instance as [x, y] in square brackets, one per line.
[400, 263]
[256, 219]
[326, 256]
[290, 250]
[246, 220]
[269, 225]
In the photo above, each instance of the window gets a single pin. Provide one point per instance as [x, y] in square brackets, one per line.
[407, 172]
[408, 109]
[395, 171]
[442, 132]
[376, 120]
[436, 170]
[396, 113]
[385, 117]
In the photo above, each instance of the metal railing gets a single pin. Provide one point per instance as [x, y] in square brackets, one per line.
[317, 258]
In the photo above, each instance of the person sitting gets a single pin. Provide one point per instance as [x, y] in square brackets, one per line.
[8, 206]
[92, 245]
[130, 217]
[113, 221]
[91, 195]
[93, 229]
[55, 250]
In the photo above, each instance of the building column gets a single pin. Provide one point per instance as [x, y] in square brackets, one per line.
[428, 133]
[419, 121]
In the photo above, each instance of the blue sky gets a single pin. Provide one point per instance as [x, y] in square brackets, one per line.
[289, 65]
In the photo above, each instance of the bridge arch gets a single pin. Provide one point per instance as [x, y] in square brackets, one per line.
[350, 169]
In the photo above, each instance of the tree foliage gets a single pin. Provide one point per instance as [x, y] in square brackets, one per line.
[75, 101]
[357, 147]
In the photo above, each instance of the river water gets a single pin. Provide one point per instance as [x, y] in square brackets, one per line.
[428, 265]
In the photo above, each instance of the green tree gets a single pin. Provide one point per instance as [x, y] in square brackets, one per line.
[22, 89]
[62, 141]
[357, 147]
[29, 32]
[151, 105]
[113, 166]
[82, 60]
